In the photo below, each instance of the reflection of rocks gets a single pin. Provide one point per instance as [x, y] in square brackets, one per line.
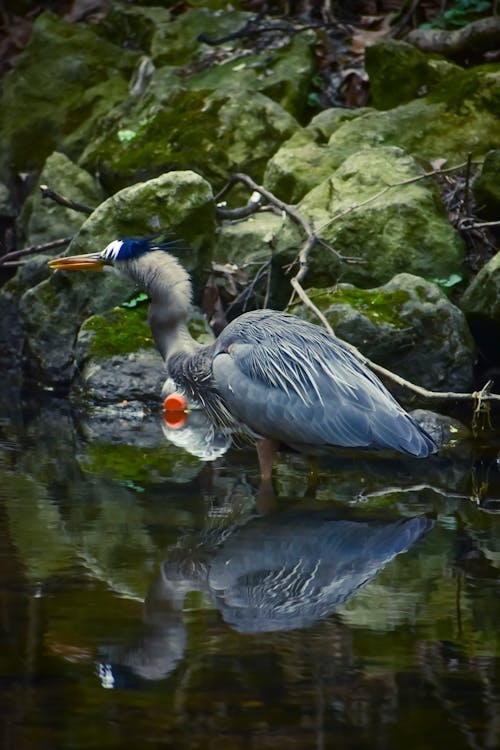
[275, 573]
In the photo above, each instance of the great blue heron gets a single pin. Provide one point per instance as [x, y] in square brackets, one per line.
[269, 374]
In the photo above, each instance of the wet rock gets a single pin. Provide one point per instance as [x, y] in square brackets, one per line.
[51, 314]
[408, 325]
[401, 229]
[138, 375]
[448, 433]
[486, 186]
[53, 311]
[11, 334]
[117, 360]
[43, 100]
[42, 219]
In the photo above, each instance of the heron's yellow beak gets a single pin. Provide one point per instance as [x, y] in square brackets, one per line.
[88, 262]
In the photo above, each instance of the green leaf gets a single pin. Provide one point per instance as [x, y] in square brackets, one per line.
[125, 136]
[139, 299]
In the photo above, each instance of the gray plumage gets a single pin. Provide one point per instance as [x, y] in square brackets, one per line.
[271, 374]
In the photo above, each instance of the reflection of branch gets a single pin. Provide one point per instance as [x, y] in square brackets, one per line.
[15, 254]
[62, 201]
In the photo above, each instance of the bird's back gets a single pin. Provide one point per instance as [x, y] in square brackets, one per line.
[291, 381]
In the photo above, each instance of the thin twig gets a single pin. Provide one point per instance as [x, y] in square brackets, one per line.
[8, 257]
[469, 223]
[484, 395]
[286, 208]
[66, 202]
[251, 29]
[391, 186]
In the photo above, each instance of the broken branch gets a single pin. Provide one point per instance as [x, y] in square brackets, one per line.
[66, 202]
[15, 254]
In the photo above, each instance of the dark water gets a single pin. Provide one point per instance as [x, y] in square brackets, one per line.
[150, 600]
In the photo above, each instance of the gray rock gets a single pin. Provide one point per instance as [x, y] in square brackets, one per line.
[390, 230]
[44, 99]
[42, 219]
[136, 376]
[53, 311]
[408, 325]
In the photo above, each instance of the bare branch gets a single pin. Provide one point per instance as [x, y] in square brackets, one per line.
[66, 202]
[391, 186]
[484, 395]
[15, 254]
[478, 397]
[285, 208]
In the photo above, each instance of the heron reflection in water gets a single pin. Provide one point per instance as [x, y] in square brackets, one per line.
[269, 375]
[275, 573]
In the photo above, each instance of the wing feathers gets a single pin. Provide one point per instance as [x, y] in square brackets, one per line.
[291, 380]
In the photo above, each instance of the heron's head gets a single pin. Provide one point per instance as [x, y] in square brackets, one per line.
[116, 253]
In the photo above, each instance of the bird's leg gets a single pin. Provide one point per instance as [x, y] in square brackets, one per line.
[265, 451]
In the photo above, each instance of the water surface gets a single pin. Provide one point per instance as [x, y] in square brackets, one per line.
[151, 600]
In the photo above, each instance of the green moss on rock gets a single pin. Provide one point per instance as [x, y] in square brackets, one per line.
[408, 325]
[62, 77]
[119, 331]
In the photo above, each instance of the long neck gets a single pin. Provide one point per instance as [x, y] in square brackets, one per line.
[169, 288]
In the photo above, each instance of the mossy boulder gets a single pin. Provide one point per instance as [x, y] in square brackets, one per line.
[298, 166]
[42, 219]
[283, 74]
[399, 72]
[53, 311]
[482, 297]
[134, 26]
[407, 325]
[211, 133]
[177, 43]
[180, 203]
[486, 186]
[304, 160]
[389, 230]
[460, 115]
[116, 356]
[44, 100]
